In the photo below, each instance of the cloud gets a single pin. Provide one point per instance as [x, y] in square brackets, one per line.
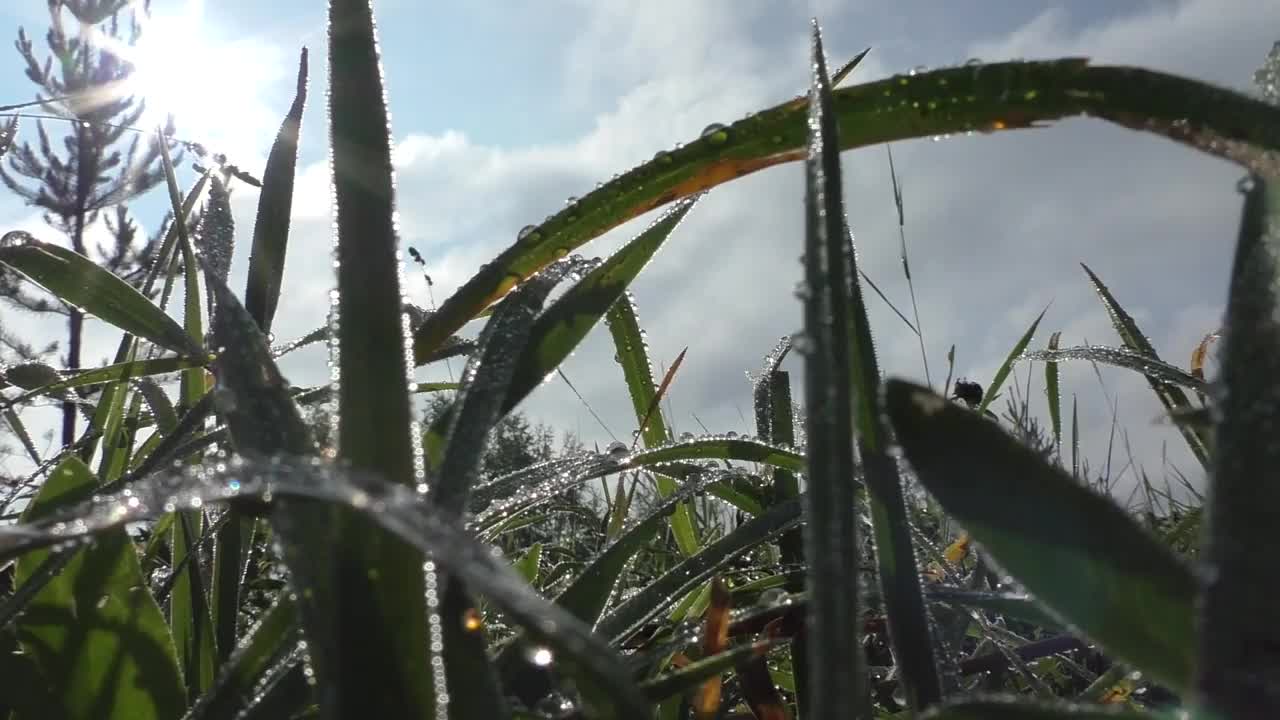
[996, 226]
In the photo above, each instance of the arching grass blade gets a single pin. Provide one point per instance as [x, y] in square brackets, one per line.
[79, 281]
[987, 98]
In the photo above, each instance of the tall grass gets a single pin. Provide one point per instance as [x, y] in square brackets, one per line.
[292, 582]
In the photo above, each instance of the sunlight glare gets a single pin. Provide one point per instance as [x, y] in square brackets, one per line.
[181, 70]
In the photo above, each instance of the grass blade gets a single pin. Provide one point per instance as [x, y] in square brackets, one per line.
[837, 682]
[275, 203]
[102, 645]
[625, 619]
[79, 281]
[1054, 394]
[633, 354]
[1238, 618]
[1002, 373]
[396, 509]
[995, 97]
[1010, 709]
[473, 687]
[1173, 398]
[189, 617]
[381, 671]
[564, 325]
[1157, 371]
[274, 635]
[1115, 582]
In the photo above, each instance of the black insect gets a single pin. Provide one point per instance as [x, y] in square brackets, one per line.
[969, 392]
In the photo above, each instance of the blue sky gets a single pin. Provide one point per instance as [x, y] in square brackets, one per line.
[501, 110]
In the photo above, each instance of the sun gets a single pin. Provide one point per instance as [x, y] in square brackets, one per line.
[182, 69]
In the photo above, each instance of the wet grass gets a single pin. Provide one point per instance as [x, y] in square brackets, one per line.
[886, 551]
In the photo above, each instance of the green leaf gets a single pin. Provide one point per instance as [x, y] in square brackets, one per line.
[993, 97]
[1238, 617]
[1002, 373]
[275, 204]
[530, 563]
[633, 354]
[79, 281]
[836, 679]
[1115, 582]
[374, 670]
[94, 630]
[1173, 398]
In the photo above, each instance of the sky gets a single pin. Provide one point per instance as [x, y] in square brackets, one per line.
[503, 109]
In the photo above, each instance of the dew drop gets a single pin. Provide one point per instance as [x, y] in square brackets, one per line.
[617, 450]
[1246, 184]
[715, 133]
[541, 656]
[526, 232]
[17, 238]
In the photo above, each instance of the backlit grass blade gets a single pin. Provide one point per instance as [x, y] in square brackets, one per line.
[263, 421]
[79, 281]
[628, 617]
[1157, 371]
[101, 644]
[1239, 621]
[1173, 398]
[274, 635]
[835, 661]
[909, 622]
[114, 373]
[559, 330]
[377, 670]
[189, 617]
[1078, 553]
[632, 353]
[663, 386]
[1002, 373]
[275, 203]
[844, 70]
[992, 97]
[1054, 394]
[463, 433]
